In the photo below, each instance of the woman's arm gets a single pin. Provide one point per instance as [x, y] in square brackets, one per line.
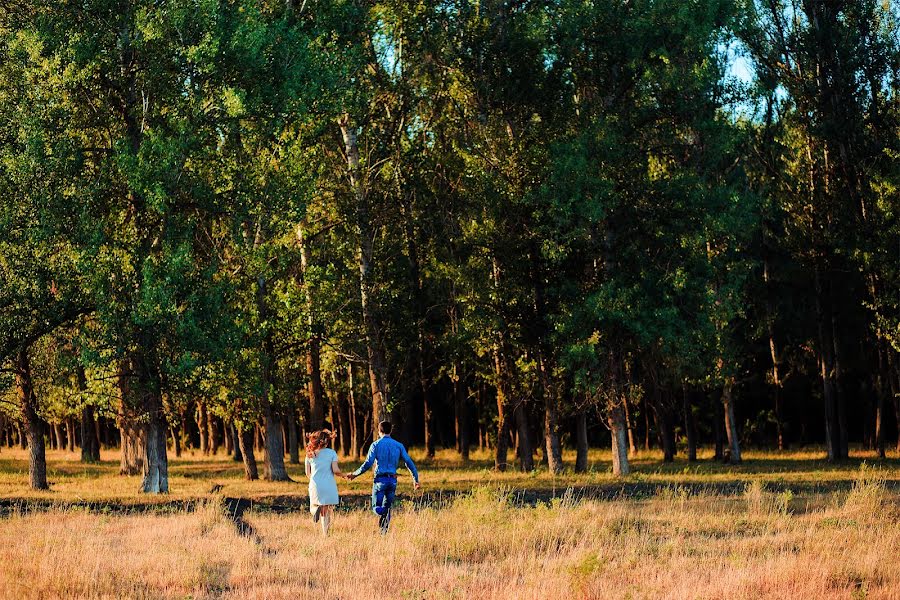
[335, 468]
[308, 468]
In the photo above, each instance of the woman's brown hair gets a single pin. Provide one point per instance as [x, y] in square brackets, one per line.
[317, 440]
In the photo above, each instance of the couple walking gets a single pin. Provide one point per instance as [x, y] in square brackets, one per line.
[322, 466]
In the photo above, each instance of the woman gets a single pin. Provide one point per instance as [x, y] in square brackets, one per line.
[321, 468]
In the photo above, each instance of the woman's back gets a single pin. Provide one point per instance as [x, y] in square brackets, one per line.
[322, 485]
[322, 461]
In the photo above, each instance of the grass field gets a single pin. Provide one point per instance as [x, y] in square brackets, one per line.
[778, 526]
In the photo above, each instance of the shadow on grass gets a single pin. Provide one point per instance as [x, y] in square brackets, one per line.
[234, 510]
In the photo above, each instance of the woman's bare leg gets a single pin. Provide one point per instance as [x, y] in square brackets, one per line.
[325, 519]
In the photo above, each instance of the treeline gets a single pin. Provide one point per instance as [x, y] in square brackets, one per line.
[516, 224]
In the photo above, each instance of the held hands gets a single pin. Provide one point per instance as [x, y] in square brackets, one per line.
[416, 485]
[349, 476]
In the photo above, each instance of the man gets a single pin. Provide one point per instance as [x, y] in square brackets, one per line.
[385, 453]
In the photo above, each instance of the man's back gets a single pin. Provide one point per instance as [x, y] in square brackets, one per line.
[386, 454]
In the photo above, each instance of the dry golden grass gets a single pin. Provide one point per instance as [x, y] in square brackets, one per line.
[753, 545]
[785, 525]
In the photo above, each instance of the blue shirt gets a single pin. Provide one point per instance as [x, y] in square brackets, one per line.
[386, 453]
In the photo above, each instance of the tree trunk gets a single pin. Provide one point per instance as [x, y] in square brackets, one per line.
[525, 449]
[894, 384]
[616, 417]
[422, 349]
[274, 463]
[356, 433]
[632, 447]
[826, 364]
[690, 426]
[500, 455]
[881, 387]
[719, 431]
[364, 255]
[620, 464]
[90, 440]
[156, 465]
[148, 396]
[237, 454]
[131, 432]
[34, 424]
[344, 417]
[646, 411]
[773, 349]
[227, 438]
[664, 424]
[203, 427]
[70, 434]
[313, 350]
[58, 442]
[183, 430]
[734, 445]
[552, 448]
[293, 445]
[460, 401]
[214, 439]
[581, 442]
[843, 438]
[245, 447]
[176, 440]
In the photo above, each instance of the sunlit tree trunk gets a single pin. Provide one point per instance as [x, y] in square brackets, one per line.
[552, 446]
[226, 437]
[632, 447]
[620, 465]
[58, 442]
[245, 444]
[734, 445]
[356, 431]
[70, 434]
[773, 354]
[131, 432]
[616, 417]
[202, 418]
[275, 469]
[461, 414]
[500, 453]
[364, 255]
[313, 359]
[34, 424]
[524, 449]
[213, 436]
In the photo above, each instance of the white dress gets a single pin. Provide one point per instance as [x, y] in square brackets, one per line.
[322, 486]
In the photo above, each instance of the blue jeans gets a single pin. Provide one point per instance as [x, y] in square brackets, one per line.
[383, 490]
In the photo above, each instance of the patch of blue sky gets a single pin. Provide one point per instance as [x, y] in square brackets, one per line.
[740, 77]
[387, 51]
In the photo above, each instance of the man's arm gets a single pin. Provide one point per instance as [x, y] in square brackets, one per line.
[410, 465]
[370, 460]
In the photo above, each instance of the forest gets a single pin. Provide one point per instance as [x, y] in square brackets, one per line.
[516, 226]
